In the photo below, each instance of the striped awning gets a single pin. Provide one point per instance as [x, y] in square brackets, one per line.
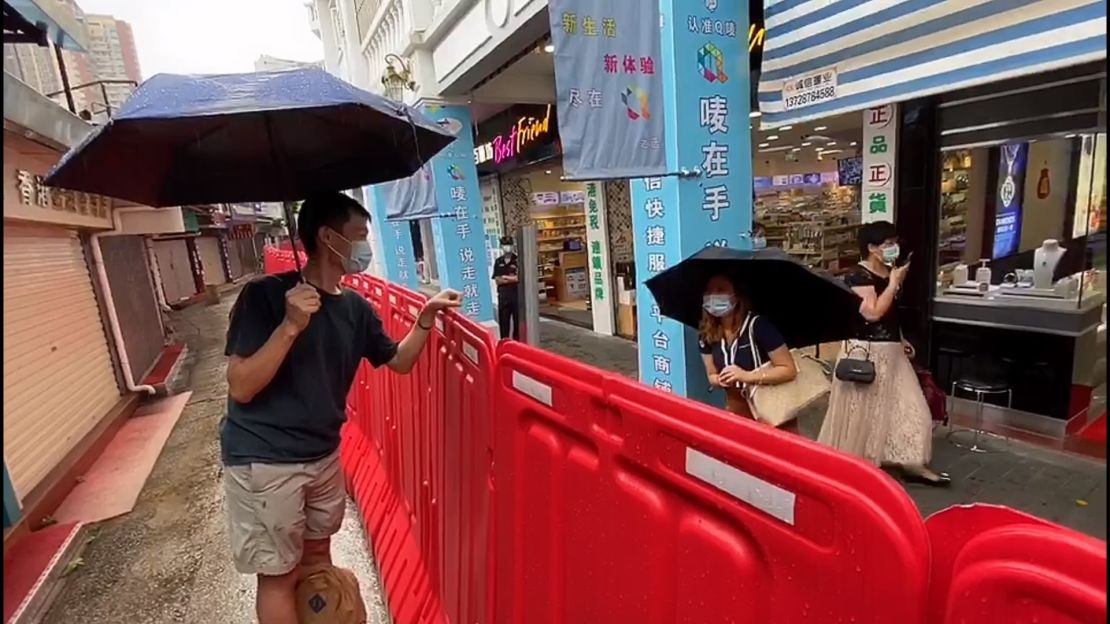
[824, 57]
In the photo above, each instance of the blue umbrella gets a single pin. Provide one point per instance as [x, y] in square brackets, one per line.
[266, 136]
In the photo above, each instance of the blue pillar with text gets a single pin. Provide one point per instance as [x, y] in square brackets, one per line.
[459, 235]
[707, 105]
[395, 240]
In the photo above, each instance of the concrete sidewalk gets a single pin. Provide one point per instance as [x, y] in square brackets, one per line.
[169, 559]
[1061, 487]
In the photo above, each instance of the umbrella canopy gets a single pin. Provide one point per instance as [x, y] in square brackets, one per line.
[808, 308]
[265, 136]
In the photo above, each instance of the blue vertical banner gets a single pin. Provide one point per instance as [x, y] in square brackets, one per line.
[1009, 198]
[609, 88]
[394, 238]
[459, 232]
[707, 106]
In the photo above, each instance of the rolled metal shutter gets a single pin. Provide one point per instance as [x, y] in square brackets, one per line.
[210, 259]
[127, 265]
[59, 382]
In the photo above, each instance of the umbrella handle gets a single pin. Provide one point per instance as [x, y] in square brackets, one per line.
[290, 226]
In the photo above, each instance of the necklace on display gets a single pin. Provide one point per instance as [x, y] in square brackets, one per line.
[1009, 188]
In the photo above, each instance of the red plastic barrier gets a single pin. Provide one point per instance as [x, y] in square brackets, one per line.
[512, 485]
[994, 564]
[617, 503]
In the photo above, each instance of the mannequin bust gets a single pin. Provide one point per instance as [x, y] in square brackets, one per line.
[1045, 259]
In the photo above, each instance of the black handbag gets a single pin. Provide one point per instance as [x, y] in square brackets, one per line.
[856, 370]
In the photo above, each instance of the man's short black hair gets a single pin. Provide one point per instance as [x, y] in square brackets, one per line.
[874, 233]
[507, 240]
[330, 209]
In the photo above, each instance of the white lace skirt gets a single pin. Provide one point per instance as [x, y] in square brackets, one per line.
[885, 422]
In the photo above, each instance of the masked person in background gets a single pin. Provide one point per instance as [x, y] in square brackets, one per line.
[293, 349]
[886, 421]
[728, 328]
[505, 275]
[759, 236]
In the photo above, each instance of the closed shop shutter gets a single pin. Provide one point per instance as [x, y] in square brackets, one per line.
[174, 268]
[235, 263]
[59, 382]
[210, 259]
[140, 320]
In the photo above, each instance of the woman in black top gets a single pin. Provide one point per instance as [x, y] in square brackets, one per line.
[725, 335]
[887, 421]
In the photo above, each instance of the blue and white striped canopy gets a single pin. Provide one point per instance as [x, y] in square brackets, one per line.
[824, 57]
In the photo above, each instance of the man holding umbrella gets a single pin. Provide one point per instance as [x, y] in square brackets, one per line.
[293, 349]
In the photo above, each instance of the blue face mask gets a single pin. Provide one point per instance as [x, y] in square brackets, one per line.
[360, 257]
[718, 305]
[759, 242]
[891, 253]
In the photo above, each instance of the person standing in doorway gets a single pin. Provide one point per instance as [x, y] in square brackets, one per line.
[506, 276]
[294, 343]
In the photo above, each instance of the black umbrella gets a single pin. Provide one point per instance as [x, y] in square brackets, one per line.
[807, 307]
[265, 136]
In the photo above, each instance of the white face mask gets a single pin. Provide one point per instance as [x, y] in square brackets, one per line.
[506, 249]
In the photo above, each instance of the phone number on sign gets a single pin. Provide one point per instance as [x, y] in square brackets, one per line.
[810, 97]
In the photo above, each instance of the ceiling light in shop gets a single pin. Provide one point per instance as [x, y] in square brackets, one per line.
[755, 114]
[772, 150]
[773, 137]
[853, 144]
[806, 144]
[786, 128]
[1069, 136]
[832, 151]
[820, 128]
[548, 172]
[549, 48]
[796, 149]
[765, 145]
[830, 143]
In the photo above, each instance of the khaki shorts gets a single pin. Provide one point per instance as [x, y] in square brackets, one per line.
[274, 508]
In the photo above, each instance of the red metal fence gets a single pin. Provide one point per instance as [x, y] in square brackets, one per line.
[507, 484]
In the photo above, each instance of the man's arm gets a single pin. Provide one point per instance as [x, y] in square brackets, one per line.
[410, 347]
[249, 374]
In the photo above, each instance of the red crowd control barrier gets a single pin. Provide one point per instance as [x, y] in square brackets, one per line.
[510, 485]
[994, 564]
[645, 507]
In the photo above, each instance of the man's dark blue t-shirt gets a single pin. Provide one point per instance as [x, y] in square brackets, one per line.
[297, 417]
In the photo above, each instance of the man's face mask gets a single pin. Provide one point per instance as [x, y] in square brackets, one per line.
[359, 258]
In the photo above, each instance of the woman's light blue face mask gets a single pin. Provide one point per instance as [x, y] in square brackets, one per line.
[718, 305]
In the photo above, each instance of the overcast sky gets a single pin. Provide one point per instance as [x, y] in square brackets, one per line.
[213, 36]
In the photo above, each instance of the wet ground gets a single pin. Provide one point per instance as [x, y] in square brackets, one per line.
[168, 560]
[1061, 487]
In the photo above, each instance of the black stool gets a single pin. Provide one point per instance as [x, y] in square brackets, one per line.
[980, 389]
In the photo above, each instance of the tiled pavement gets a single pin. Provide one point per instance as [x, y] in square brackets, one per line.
[1060, 487]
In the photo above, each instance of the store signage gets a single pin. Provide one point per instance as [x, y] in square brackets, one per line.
[545, 199]
[33, 192]
[597, 238]
[762, 183]
[880, 147]
[571, 198]
[809, 89]
[527, 131]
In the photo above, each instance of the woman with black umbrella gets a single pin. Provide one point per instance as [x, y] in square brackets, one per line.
[734, 342]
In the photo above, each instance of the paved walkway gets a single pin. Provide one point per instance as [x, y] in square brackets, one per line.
[168, 560]
[1044, 483]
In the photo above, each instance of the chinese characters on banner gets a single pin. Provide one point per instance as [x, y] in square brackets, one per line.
[460, 237]
[610, 93]
[880, 143]
[705, 73]
[394, 239]
[597, 239]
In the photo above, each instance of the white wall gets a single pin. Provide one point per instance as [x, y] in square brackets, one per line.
[1044, 217]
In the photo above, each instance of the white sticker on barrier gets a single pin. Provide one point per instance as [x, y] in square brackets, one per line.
[538, 391]
[767, 497]
[414, 311]
[470, 352]
[393, 298]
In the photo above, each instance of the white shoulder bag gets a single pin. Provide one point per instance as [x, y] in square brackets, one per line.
[779, 404]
